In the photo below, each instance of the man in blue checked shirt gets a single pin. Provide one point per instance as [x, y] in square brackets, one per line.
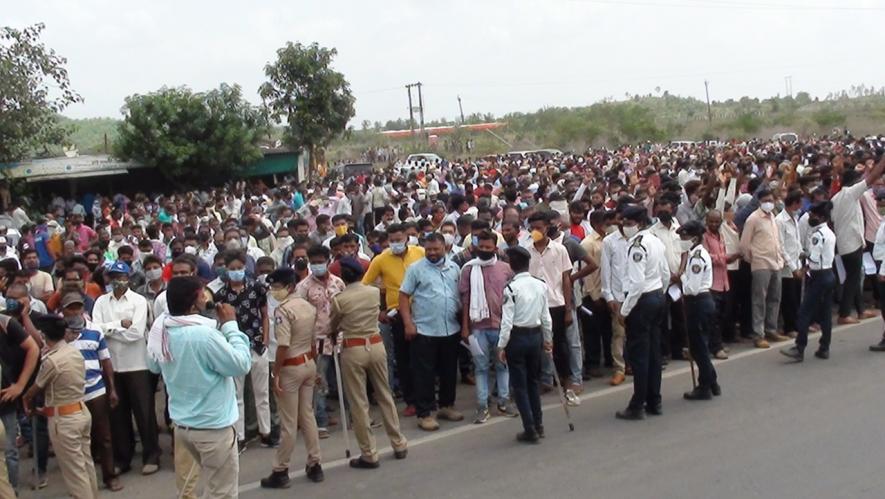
[100, 394]
[429, 304]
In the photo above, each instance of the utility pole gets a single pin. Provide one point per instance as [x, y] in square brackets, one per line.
[420, 109]
[462, 109]
[788, 84]
[412, 109]
[709, 109]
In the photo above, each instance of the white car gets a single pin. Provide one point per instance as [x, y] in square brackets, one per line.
[786, 137]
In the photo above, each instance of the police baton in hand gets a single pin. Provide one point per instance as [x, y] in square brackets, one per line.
[336, 353]
[559, 390]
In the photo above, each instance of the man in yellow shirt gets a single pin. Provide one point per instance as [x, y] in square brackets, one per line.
[390, 267]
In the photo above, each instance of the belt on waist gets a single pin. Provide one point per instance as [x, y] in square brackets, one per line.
[63, 410]
[360, 342]
[818, 271]
[190, 428]
[697, 296]
[299, 359]
[525, 330]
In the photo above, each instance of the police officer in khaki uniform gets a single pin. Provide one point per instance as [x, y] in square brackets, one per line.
[294, 377]
[62, 377]
[355, 316]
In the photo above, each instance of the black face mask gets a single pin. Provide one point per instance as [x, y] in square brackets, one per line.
[597, 206]
[92, 266]
[176, 254]
[665, 217]
[484, 255]
[300, 263]
[814, 221]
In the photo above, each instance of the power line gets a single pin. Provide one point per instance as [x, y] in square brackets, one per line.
[734, 5]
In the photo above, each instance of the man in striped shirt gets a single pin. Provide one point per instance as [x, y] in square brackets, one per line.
[100, 395]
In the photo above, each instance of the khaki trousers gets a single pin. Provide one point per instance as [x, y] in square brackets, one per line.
[70, 439]
[295, 406]
[187, 472]
[5, 487]
[619, 337]
[357, 365]
[215, 454]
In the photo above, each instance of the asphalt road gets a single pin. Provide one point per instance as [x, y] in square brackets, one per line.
[780, 430]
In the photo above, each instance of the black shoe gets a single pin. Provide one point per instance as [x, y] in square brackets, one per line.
[585, 376]
[655, 410]
[269, 442]
[276, 480]
[527, 437]
[793, 353]
[822, 354]
[540, 431]
[630, 415]
[699, 393]
[361, 463]
[401, 454]
[716, 390]
[879, 347]
[315, 473]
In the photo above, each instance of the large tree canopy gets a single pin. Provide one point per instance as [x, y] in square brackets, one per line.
[34, 88]
[192, 137]
[314, 99]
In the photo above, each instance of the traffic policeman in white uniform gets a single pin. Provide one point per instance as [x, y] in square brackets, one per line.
[820, 285]
[643, 311]
[700, 309]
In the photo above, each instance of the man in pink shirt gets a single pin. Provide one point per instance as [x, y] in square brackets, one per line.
[83, 234]
[715, 246]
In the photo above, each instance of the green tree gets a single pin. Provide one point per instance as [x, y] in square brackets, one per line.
[314, 99]
[193, 138]
[34, 88]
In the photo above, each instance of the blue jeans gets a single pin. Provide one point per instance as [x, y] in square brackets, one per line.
[320, 391]
[488, 343]
[10, 425]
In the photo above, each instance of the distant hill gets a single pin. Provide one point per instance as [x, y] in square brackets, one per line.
[656, 117]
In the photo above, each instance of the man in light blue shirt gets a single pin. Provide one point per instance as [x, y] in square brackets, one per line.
[199, 363]
[430, 290]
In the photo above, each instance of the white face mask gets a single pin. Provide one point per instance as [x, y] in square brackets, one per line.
[153, 274]
[630, 231]
[413, 241]
[767, 207]
[685, 245]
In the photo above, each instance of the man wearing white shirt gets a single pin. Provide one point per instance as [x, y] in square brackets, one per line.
[791, 274]
[122, 317]
[613, 268]
[848, 224]
[672, 338]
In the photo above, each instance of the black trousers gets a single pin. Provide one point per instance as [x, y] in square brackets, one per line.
[673, 330]
[597, 333]
[719, 321]
[102, 449]
[524, 363]
[432, 357]
[402, 354]
[851, 295]
[644, 349]
[136, 401]
[699, 314]
[741, 282]
[791, 295]
[560, 344]
[817, 307]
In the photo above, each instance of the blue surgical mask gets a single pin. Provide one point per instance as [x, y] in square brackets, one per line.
[436, 261]
[475, 241]
[12, 305]
[237, 275]
[318, 269]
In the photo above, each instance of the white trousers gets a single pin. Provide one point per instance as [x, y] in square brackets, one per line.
[260, 375]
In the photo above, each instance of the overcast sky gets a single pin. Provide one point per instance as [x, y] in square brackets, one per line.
[499, 56]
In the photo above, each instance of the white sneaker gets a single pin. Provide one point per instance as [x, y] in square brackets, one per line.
[572, 399]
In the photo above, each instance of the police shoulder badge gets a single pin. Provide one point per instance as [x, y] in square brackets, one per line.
[815, 240]
[637, 256]
[696, 269]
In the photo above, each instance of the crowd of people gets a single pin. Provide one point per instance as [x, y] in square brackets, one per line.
[248, 306]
